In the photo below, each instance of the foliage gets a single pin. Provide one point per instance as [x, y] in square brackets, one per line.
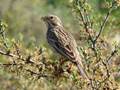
[34, 67]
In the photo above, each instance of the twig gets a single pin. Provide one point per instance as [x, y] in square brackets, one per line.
[112, 54]
[28, 70]
[11, 55]
[103, 24]
[8, 64]
[87, 25]
[38, 74]
[2, 32]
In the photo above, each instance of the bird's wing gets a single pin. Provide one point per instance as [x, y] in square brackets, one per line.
[63, 42]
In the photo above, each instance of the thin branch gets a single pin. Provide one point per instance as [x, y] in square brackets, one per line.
[38, 74]
[8, 64]
[11, 55]
[28, 70]
[85, 24]
[2, 33]
[112, 54]
[103, 24]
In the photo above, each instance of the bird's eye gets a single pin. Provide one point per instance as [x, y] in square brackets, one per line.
[51, 17]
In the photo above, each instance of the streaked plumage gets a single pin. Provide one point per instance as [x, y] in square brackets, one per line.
[62, 41]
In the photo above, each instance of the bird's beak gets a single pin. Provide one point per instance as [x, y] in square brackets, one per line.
[44, 18]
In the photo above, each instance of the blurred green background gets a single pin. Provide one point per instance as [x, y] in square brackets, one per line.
[24, 18]
[24, 23]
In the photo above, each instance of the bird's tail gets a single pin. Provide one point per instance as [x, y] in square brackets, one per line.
[81, 69]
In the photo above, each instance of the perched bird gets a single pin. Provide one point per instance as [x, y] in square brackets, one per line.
[63, 42]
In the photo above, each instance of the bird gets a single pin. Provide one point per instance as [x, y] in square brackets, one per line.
[63, 42]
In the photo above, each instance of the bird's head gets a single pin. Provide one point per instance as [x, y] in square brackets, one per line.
[52, 20]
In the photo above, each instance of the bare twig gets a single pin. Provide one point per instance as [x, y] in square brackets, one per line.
[105, 20]
[8, 64]
[112, 54]
[9, 54]
[38, 74]
[103, 25]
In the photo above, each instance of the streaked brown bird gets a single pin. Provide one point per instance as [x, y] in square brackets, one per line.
[62, 41]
